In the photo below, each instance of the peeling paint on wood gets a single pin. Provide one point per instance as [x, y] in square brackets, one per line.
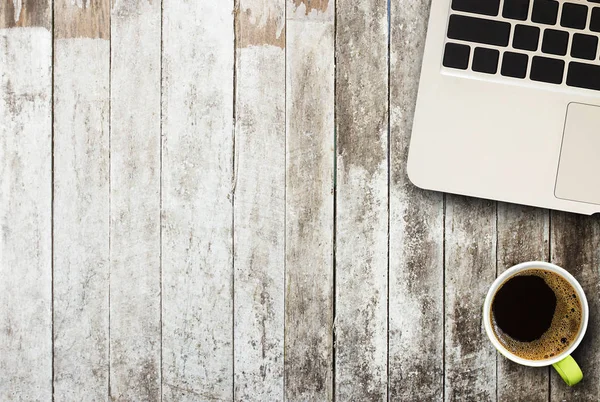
[82, 19]
[25, 13]
[135, 277]
[523, 235]
[25, 214]
[81, 218]
[576, 247]
[315, 10]
[310, 5]
[259, 208]
[416, 333]
[309, 212]
[260, 23]
[470, 266]
[197, 195]
[362, 200]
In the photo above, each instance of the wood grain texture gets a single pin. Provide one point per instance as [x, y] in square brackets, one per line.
[416, 277]
[25, 13]
[362, 200]
[309, 211]
[81, 218]
[259, 207]
[25, 214]
[82, 19]
[523, 235]
[575, 241]
[197, 257]
[135, 328]
[470, 268]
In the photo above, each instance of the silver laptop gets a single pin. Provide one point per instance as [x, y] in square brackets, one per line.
[509, 103]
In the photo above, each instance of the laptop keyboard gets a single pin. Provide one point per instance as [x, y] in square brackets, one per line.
[547, 41]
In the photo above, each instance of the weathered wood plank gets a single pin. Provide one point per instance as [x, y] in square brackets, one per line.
[197, 195]
[259, 204]
[81, 204]
[470, 268]
[135, 277]
[575, 241]
[309, 204]
[362, 200]
[416, 284]
[25, 203]
[523, 235]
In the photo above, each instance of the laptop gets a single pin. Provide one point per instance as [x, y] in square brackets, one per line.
[508, 106]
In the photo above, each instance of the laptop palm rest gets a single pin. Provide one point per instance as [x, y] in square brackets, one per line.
[578, 176]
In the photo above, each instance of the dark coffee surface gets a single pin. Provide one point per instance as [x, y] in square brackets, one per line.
[524, 307]
[536, 314]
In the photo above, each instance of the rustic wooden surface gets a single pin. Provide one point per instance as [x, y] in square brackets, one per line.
[26, 299]
[197, 172]
[259, 205]
[361, 225]
[81, 187]
[135, 204]
[309, 255]
[207, 201]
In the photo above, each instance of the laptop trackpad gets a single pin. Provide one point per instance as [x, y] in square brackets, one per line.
[579, 169]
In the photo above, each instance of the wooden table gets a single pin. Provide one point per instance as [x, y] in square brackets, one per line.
[207, 200]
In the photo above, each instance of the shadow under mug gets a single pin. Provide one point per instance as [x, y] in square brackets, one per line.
[564, 364]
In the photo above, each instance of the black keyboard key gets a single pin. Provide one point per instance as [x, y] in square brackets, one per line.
[456, 56]
[555, 42]
[478, 30]
[515, 9]
[584, 46]
[583, 76]
[514, 65]
[574, 16]
[595, 20]
[485, 60]
[526, 37]
[544, 11]
[547, 70]
[486, 7]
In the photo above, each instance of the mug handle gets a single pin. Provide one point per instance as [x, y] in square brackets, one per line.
[569, 370]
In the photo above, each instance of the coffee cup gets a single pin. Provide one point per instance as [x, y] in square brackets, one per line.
[520, 305]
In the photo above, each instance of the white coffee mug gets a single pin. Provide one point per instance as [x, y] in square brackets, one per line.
[564, 364]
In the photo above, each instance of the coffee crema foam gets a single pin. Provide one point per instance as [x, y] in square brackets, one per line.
[565, 324]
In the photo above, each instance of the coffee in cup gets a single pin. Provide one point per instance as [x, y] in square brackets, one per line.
[536, 314]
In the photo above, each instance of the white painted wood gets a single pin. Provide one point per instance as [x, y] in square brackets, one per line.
[135, 287]
[416, 309]
[259, 204]
[197, 195]
[470, 268]
[362, 200]
[309, 209]
[81, 218]
[25, 214]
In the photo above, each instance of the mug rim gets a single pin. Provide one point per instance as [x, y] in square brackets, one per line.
[506, 275]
